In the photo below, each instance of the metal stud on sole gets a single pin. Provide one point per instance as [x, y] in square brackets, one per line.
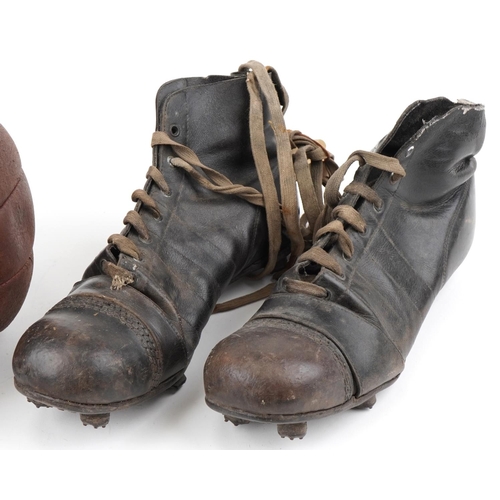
[37, 404]
[100, 420]
[292, 431]
[179, 383]
[369, 403]
[235, 421]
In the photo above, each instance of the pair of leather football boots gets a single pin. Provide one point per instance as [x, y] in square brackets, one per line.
[356, 271]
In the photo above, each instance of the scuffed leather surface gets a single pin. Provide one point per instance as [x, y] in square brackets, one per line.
[17, 228]
[373, 312]
[202, 242]
[282, 369]
[94, 334]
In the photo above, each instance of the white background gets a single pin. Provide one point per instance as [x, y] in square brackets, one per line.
[77, 89]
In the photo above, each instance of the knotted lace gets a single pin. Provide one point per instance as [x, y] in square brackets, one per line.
[335, 217]
[301, 161]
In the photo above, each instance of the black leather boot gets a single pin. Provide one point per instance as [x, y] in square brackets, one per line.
[341, 322]
[128, 329]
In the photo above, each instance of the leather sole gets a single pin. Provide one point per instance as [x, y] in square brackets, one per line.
[295, 425]
[98, 415]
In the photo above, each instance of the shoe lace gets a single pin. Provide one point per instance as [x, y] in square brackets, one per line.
[301, 161]
[335, 217]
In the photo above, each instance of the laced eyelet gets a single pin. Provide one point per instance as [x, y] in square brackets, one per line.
[394, 179]
[379, 208]
[341, 277]
[145, 241]
[169, 161]
[175, 130]
[158, 217]
[346, 258]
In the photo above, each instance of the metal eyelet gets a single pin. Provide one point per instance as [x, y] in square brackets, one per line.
[341, 277]
[346, 258]
[175, 130]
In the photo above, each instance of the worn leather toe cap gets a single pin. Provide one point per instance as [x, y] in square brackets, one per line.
[87, 350]
[276, 368]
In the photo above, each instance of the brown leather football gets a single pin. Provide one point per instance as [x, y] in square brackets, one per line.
[17, 229]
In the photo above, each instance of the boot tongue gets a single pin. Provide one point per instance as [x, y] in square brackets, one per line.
[365, 174]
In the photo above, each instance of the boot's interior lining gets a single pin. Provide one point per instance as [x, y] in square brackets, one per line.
[413, 122]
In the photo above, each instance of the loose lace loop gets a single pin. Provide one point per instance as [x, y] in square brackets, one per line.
[293, 150]
[313, 167]
[301, 162]
[342, 215]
